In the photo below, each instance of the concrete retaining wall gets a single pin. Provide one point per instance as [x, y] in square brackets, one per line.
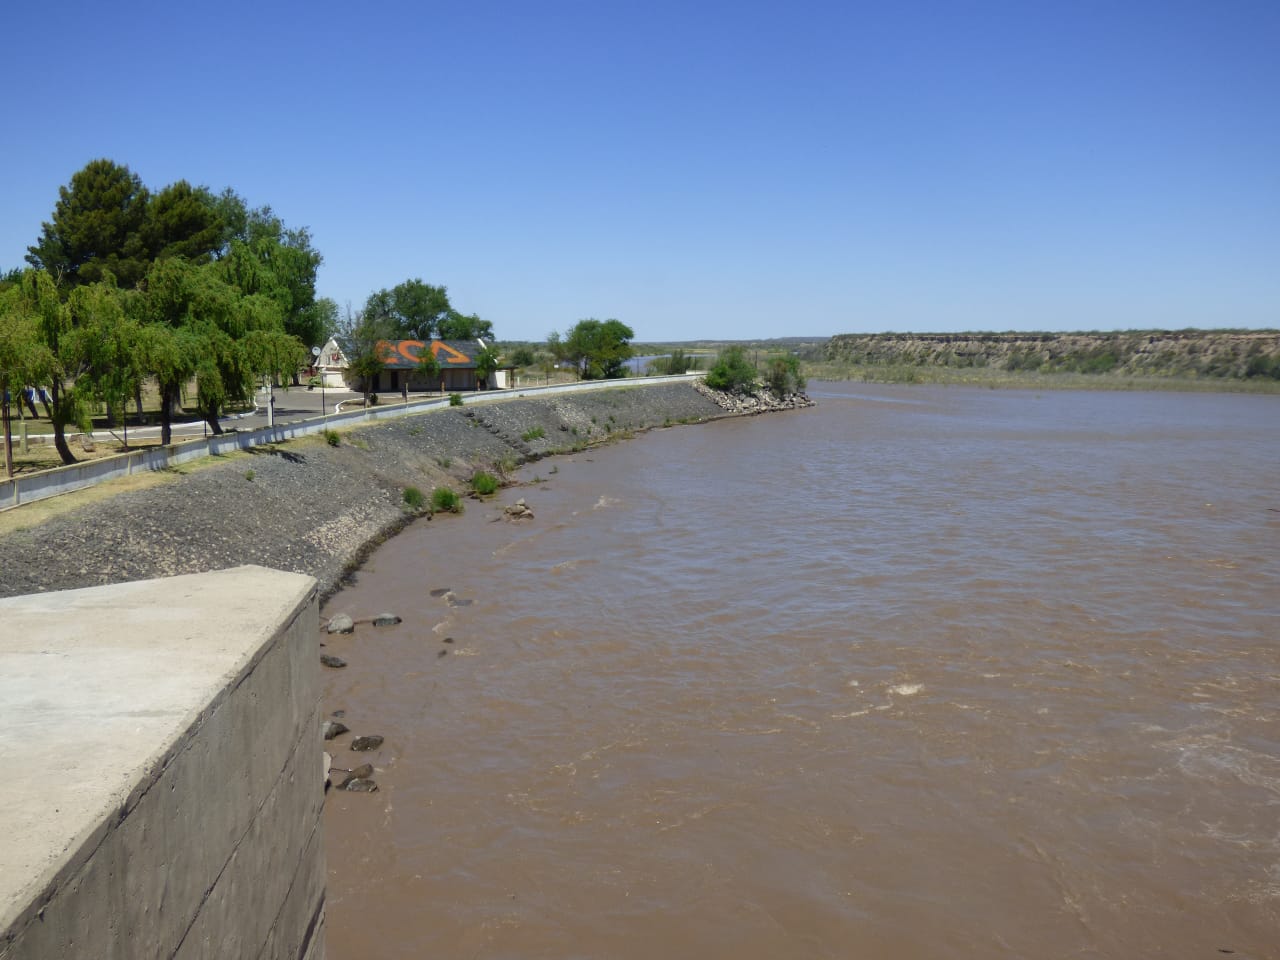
[163, 770]
[28, 488]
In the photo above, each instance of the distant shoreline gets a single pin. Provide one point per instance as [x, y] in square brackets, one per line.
[1155, 360]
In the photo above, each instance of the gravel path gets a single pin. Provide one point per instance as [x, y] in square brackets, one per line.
[312, 508]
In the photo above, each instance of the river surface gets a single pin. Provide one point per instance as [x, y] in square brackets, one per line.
[918, 673]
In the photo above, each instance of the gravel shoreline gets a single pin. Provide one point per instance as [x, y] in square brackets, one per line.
[307, 507]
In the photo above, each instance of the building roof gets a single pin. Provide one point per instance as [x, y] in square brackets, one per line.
[452, 354]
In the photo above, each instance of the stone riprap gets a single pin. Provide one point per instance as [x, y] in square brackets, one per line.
[311, 508]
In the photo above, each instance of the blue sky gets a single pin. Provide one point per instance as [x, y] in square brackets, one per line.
[728, 170]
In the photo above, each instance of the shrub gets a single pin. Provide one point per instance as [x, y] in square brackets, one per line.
[444, 500]
[249, 475]
[536, 433]
[444, 462]
[783, 376]
[484, 483]
[413, 498]
[455, 399]
[732, 371]
[332, 438]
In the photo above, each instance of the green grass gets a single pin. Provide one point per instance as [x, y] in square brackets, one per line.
[332, 437]
[455, 399]
[484, 483]
[413, 498]
[445, 500]
[536, 433]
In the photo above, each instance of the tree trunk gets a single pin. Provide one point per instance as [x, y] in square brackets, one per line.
[8, 436]
[60, 444]
[59, 425]
[166, 417]
[31, 402]
[212, 420]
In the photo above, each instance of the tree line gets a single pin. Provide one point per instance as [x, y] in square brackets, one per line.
[125, 284]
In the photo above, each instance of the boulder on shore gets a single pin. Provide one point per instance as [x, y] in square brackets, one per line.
[341, 624]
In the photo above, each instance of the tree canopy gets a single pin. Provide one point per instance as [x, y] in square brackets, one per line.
[98, 228]
[177, 284]
[599, 349]
[415, 310]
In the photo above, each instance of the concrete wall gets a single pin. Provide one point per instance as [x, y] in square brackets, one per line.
[162, 764]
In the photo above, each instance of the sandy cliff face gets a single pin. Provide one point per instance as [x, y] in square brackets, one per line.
[1151, 353]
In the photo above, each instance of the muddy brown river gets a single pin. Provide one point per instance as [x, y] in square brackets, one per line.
[918, 673]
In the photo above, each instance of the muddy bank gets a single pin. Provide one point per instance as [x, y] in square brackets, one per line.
[309, 507]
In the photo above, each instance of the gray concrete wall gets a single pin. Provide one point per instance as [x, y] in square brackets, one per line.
[163, 770]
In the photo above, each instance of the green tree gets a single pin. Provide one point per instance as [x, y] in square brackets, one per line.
[782, 375]
[263, 256]
[97, 228]
[458, 326]
[196, 322]
[487, 361]
[419, 309]
[429, 367]
[523, 356]
[325, 320]
[413, 310]
[732, 371]
[183, 221]
[170, 354]
[69, 331]
[598, 349]
[24, 359]
[115, 360]
[360, 336]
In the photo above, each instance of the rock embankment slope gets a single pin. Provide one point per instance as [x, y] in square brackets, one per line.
[312, 508]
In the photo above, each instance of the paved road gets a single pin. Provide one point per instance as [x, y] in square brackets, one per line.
[291, 404]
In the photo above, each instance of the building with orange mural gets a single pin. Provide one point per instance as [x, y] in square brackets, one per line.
[457, 360]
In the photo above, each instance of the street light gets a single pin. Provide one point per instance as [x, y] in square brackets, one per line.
[315, 352]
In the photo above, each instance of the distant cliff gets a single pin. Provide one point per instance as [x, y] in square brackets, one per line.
[1189, 353]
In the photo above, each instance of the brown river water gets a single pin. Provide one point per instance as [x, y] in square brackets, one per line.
[918, 673]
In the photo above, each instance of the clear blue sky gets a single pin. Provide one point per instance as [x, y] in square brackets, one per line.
[731, 170]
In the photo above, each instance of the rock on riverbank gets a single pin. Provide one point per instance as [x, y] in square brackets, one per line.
[311, 508]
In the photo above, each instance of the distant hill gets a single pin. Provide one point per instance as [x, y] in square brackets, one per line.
[1150, 353]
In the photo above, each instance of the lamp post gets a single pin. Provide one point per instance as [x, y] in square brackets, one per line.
[315, 352]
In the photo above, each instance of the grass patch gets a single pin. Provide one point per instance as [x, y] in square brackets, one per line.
[444, 463]
[484, 483]
[413, 498]
[445, 500]
[537, 433]
[332, 437]
[455, 399]
[249, 475]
